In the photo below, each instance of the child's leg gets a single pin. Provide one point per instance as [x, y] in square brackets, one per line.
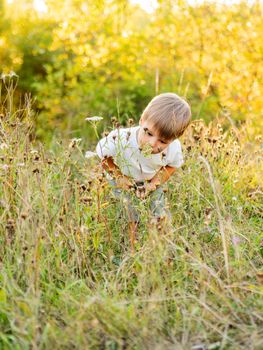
[132, 215]
[132, 233]
[162, 218]
[133, 219]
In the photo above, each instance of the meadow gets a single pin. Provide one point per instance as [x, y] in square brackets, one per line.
[68, 278]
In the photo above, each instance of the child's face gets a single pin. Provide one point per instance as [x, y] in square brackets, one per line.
[149, 136]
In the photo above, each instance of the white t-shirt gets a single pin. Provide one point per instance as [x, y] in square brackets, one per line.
[124, 149]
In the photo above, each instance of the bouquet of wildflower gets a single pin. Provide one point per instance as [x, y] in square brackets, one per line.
[146, 150]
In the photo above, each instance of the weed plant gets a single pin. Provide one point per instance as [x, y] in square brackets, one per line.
[68, 279]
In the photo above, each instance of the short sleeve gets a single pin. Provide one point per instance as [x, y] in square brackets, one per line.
[175, 155]
[106, 147]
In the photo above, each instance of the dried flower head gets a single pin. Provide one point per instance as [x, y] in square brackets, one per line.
[128, 135]
[130, 122]
[74, 142]
[24, 216]
[83, 187]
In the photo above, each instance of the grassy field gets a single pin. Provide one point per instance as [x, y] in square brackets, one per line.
[68, 279]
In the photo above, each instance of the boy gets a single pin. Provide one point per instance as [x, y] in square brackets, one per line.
[145, 156]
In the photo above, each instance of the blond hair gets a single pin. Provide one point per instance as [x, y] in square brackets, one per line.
[169, 113]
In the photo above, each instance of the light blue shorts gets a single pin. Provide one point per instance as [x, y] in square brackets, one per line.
[156, 199]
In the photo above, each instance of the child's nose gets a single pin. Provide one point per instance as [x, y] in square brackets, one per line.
[153, 143]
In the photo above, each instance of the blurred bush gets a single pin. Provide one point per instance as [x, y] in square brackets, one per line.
[110, 58]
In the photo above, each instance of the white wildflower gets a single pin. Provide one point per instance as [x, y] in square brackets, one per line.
[20, 164]
[236, 240]
[84, 229]
[234, 198]
[12, 74]
[94, 119]
[76, 140]
[4, 166]
[3, 146]
[90, 154]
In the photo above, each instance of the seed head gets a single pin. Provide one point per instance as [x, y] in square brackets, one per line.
[10, 222]
[87, 199]
[83, 187]
[130, 122]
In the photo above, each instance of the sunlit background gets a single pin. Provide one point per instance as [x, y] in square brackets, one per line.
[79, 58]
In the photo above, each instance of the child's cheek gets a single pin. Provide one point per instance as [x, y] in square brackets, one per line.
[144, 140]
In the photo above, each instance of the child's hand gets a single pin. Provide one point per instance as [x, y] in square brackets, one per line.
[143, 191]
[124, 182]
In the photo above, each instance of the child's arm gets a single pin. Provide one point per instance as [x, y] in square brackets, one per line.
[122, 181]
[162, 176]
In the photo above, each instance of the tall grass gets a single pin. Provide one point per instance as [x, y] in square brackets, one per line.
[68, 278]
